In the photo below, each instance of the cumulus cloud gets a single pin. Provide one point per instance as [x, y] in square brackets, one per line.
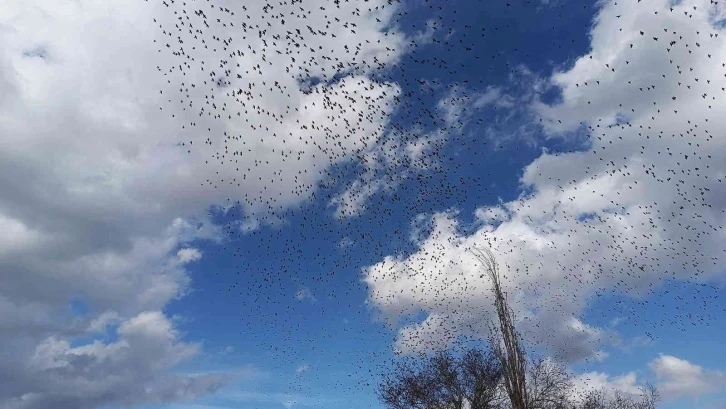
[104, 194]
[129, 370]
[674, 377]
[626, 384]
[188, 255]
[677, 377]
[644, 203]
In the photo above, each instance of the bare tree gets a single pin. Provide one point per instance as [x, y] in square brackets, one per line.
[599, 399]
[475, 379]
[549, 385]
[596, 399]
[505, 338]
[482, 374]
[649, 396]
[443, 381]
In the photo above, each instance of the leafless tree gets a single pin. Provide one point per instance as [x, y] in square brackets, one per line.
[482, 374]
[649, 396]
[596, 399]
[505, 338]
[599, 399]
[549, 385]
[443, 381]
[498, 378]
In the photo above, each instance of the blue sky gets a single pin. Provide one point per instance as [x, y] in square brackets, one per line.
[136, 275]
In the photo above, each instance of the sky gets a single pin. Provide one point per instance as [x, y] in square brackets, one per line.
[265, 209]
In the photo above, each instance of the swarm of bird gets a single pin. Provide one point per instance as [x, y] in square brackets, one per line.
[376, 129]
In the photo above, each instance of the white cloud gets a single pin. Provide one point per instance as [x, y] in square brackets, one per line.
[626, 384]
[102, 204]
[402, 154]
[646, 202]
[100, 323]
[302, 368]
[352, 201]
[673, 377]
[419, 224]
[677, 377]
[491, 215]
[229, 349]
[285, 399]
[304, 293]
[188, 255]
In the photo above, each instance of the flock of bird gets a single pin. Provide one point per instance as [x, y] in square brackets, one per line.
[355, 117]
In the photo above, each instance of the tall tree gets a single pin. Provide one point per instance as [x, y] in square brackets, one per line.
[476, 378]
[505, 338]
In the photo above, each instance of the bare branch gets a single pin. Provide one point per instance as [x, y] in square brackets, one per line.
[443, 381]
[507, 348]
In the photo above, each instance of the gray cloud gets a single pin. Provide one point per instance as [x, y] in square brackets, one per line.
[100, 204]
[124, 371]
